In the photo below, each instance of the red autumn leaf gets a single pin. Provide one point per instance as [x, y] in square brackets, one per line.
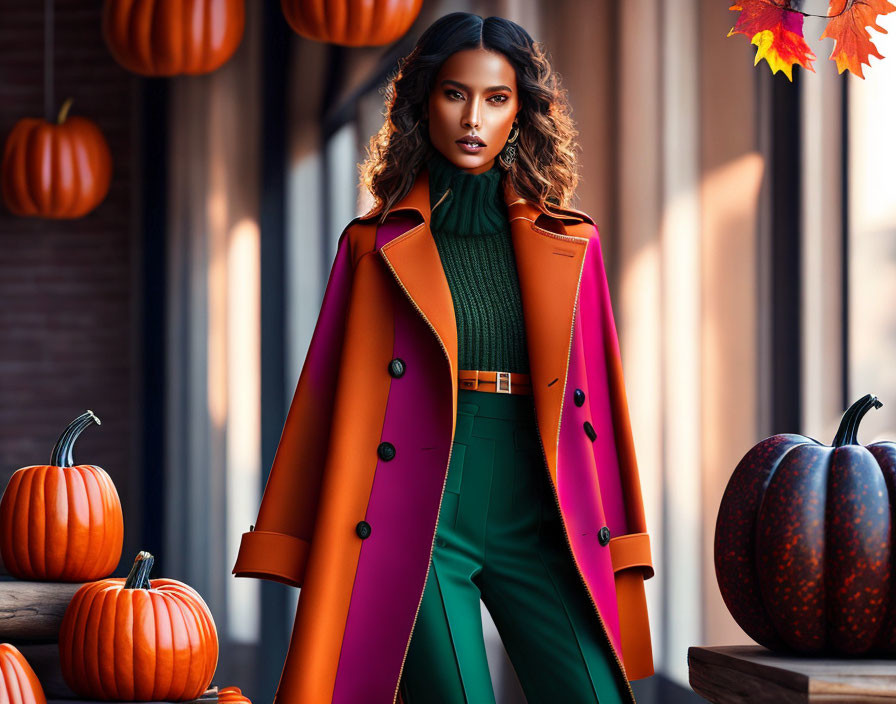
[852, 42]
[777, 31]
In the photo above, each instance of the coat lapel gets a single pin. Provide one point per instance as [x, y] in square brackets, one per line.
[414, 260]
[549, 265]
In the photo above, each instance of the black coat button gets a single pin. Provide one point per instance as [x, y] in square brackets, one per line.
[396, 367]
[386, 450]
[362, 529]
[603, 535]
[590, 431]
[579, 397]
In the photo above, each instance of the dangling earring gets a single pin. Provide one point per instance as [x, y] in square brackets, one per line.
[508, 153]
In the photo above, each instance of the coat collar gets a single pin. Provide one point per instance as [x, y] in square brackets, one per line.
[549, 266]
[416, 200]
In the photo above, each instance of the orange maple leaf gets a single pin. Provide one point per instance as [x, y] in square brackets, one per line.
[852, 42]
[777, 32]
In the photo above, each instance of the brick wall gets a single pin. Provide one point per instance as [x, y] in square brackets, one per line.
[69, 289]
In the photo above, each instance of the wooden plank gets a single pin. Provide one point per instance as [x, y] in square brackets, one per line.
[33, 611]
[755, 675]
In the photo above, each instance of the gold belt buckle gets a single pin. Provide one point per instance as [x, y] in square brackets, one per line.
[502, 382]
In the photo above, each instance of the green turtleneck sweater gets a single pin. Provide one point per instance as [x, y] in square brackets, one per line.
[472, 234]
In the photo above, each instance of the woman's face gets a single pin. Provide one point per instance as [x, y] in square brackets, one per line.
[474, 94]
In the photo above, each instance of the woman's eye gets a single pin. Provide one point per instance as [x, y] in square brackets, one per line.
[496, 99]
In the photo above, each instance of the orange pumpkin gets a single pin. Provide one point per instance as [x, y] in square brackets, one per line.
[62, 521]
[132, 640]
[18, 683]
[351, 22]
[170, 37]
[232, 695]
[55, 171]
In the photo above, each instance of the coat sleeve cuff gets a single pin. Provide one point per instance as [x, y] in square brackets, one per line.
[634, 625]
[270, 555]
[631, 550]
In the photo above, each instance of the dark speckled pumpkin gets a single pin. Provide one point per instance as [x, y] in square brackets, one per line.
[803, 542]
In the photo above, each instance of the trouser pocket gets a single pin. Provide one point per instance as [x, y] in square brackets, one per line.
[456, 468]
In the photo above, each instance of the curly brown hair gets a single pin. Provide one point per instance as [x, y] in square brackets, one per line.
[545, 167]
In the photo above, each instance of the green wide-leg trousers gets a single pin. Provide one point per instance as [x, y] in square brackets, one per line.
[500, 539]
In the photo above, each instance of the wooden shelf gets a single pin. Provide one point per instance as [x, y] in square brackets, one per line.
[751, 674]
[32, 611]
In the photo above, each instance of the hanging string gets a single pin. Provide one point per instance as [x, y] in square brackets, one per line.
[48, 60]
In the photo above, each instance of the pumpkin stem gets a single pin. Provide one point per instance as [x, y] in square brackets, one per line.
[849, 423]
[138, 577]
[62, 451]
[63, 111]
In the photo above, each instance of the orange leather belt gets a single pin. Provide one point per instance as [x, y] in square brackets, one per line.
[498, 382]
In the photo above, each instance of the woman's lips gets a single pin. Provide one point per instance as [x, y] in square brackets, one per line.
[472, 148]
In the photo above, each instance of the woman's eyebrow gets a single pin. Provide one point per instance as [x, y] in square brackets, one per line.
[461, 85]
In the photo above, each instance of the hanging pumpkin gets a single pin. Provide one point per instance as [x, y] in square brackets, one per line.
[803, 543]
[171, 37]
[18, 683]
[132, 640]
[62, 521]
[60, 170]
[232, 695]
[351, 22]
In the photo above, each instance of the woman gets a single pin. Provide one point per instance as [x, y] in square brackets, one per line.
[460, 430]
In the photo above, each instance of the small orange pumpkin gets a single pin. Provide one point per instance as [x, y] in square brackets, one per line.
[351, 22]
[58, 171]
[131, 640]
[18, 683]
[171, 37]
[232, 695]
[62, 521]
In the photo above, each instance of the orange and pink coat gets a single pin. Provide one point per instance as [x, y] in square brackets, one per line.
[387, 298]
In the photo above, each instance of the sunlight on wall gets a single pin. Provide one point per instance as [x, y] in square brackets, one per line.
[677, 535]
[217, 312]
[872, 237]
[341, 154]
[822, 234]
[304, 280]
[243, 398]
[640, 329]
[682, 529]
[730, 388]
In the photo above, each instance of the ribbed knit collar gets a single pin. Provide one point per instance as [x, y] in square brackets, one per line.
[475, 205]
